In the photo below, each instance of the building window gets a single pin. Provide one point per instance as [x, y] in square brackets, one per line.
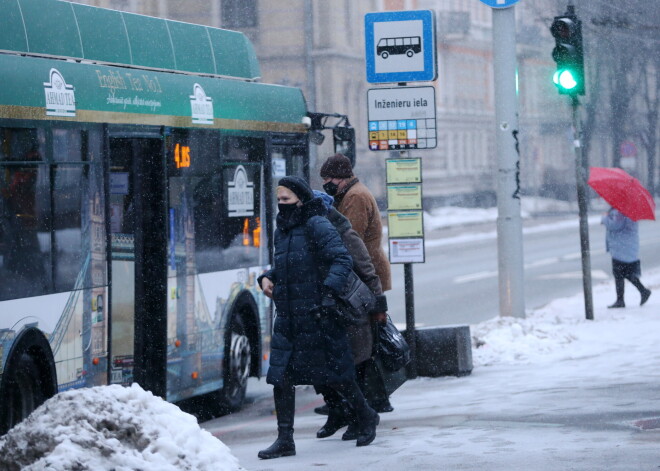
[239, 13]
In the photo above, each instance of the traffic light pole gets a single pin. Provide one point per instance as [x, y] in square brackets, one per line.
[581, 180]
[509, 222]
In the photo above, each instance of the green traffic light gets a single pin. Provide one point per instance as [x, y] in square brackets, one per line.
[565, 79]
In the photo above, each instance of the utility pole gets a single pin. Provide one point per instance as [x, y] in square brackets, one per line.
[509, 223]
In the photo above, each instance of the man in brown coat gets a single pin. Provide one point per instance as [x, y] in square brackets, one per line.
[355, 201]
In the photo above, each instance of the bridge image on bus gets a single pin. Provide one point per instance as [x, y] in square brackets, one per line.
[409, 46]
[136, 204]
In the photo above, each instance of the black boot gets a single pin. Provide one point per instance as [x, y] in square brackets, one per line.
[619, 285]
[643, 291]
[371, 383]
[369, 420]
[352, 431]
[285, 402]
[339, 415]
[366, 418]
[322, 410]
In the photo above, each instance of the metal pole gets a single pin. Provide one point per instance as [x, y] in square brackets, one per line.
[310, 75]
[409, 292]
[509, 223]
[581, 180]
[410, 319]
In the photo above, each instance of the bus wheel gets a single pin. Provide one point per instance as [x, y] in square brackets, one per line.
[384, 54]
[24, 392]
[410, 53]
[237, 365]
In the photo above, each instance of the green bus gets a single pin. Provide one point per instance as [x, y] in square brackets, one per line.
[137, 165]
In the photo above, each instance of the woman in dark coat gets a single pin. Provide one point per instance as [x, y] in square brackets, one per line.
[308, 345]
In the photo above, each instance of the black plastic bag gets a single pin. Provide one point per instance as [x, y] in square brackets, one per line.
[393, 349]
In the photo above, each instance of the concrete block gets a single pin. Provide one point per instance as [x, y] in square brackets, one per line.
[444, 351]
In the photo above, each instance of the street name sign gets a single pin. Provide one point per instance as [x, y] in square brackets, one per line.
[400, 46]
[401, 118]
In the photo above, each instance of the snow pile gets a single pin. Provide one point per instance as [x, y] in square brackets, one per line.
[560, 330]
[451, 216]
[112, 428]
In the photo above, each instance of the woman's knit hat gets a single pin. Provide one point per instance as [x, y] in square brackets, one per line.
[298, 186]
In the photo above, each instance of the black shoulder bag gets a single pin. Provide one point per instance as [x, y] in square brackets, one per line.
[355, 302]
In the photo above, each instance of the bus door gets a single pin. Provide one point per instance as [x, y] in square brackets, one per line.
[139, 267]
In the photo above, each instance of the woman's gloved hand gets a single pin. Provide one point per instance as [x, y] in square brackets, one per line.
[328, 301]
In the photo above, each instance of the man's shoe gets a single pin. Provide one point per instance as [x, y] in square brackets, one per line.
[351, 432]
[322, 410]
[645, 296]
[338, 417]
[617, 305]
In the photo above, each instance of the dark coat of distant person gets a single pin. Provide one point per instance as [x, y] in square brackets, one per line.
[360, 336]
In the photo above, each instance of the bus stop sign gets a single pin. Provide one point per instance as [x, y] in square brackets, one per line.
[400, 46]
[499, 3]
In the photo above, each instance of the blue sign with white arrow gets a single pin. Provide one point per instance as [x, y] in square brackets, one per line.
[499, 3]
[400, 46]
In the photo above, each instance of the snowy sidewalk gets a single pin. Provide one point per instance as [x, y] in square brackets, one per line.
[550, 392]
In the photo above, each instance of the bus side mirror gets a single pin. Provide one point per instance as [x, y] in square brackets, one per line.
[344, 140]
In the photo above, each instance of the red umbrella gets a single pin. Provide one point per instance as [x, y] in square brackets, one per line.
[624, 192]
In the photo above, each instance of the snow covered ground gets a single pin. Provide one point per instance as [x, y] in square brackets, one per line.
[552, 391]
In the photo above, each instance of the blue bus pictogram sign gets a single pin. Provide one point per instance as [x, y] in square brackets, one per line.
[400, 46]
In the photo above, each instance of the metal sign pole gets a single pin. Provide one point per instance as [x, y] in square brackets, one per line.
[410, 319]
[582, 209]
[509, 223]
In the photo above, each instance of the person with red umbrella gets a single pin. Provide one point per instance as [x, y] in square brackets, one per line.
[630, 203]
[622, 242]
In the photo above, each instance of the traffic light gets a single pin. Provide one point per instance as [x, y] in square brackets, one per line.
[568, 54]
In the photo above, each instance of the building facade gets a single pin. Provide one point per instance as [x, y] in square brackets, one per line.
[319, 47]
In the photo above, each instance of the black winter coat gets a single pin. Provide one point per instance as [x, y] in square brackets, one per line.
[308, 344]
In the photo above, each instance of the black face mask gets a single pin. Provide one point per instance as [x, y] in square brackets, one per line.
[286, 209]
[331, 188]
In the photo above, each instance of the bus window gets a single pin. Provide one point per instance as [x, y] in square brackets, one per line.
[24, 215]
[222, 216]
[218, 211]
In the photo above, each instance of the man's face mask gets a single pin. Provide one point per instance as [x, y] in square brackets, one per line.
[331, 188]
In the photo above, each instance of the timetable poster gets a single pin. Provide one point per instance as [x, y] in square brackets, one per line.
[404, 170]
[405, 224]
[402, 197]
